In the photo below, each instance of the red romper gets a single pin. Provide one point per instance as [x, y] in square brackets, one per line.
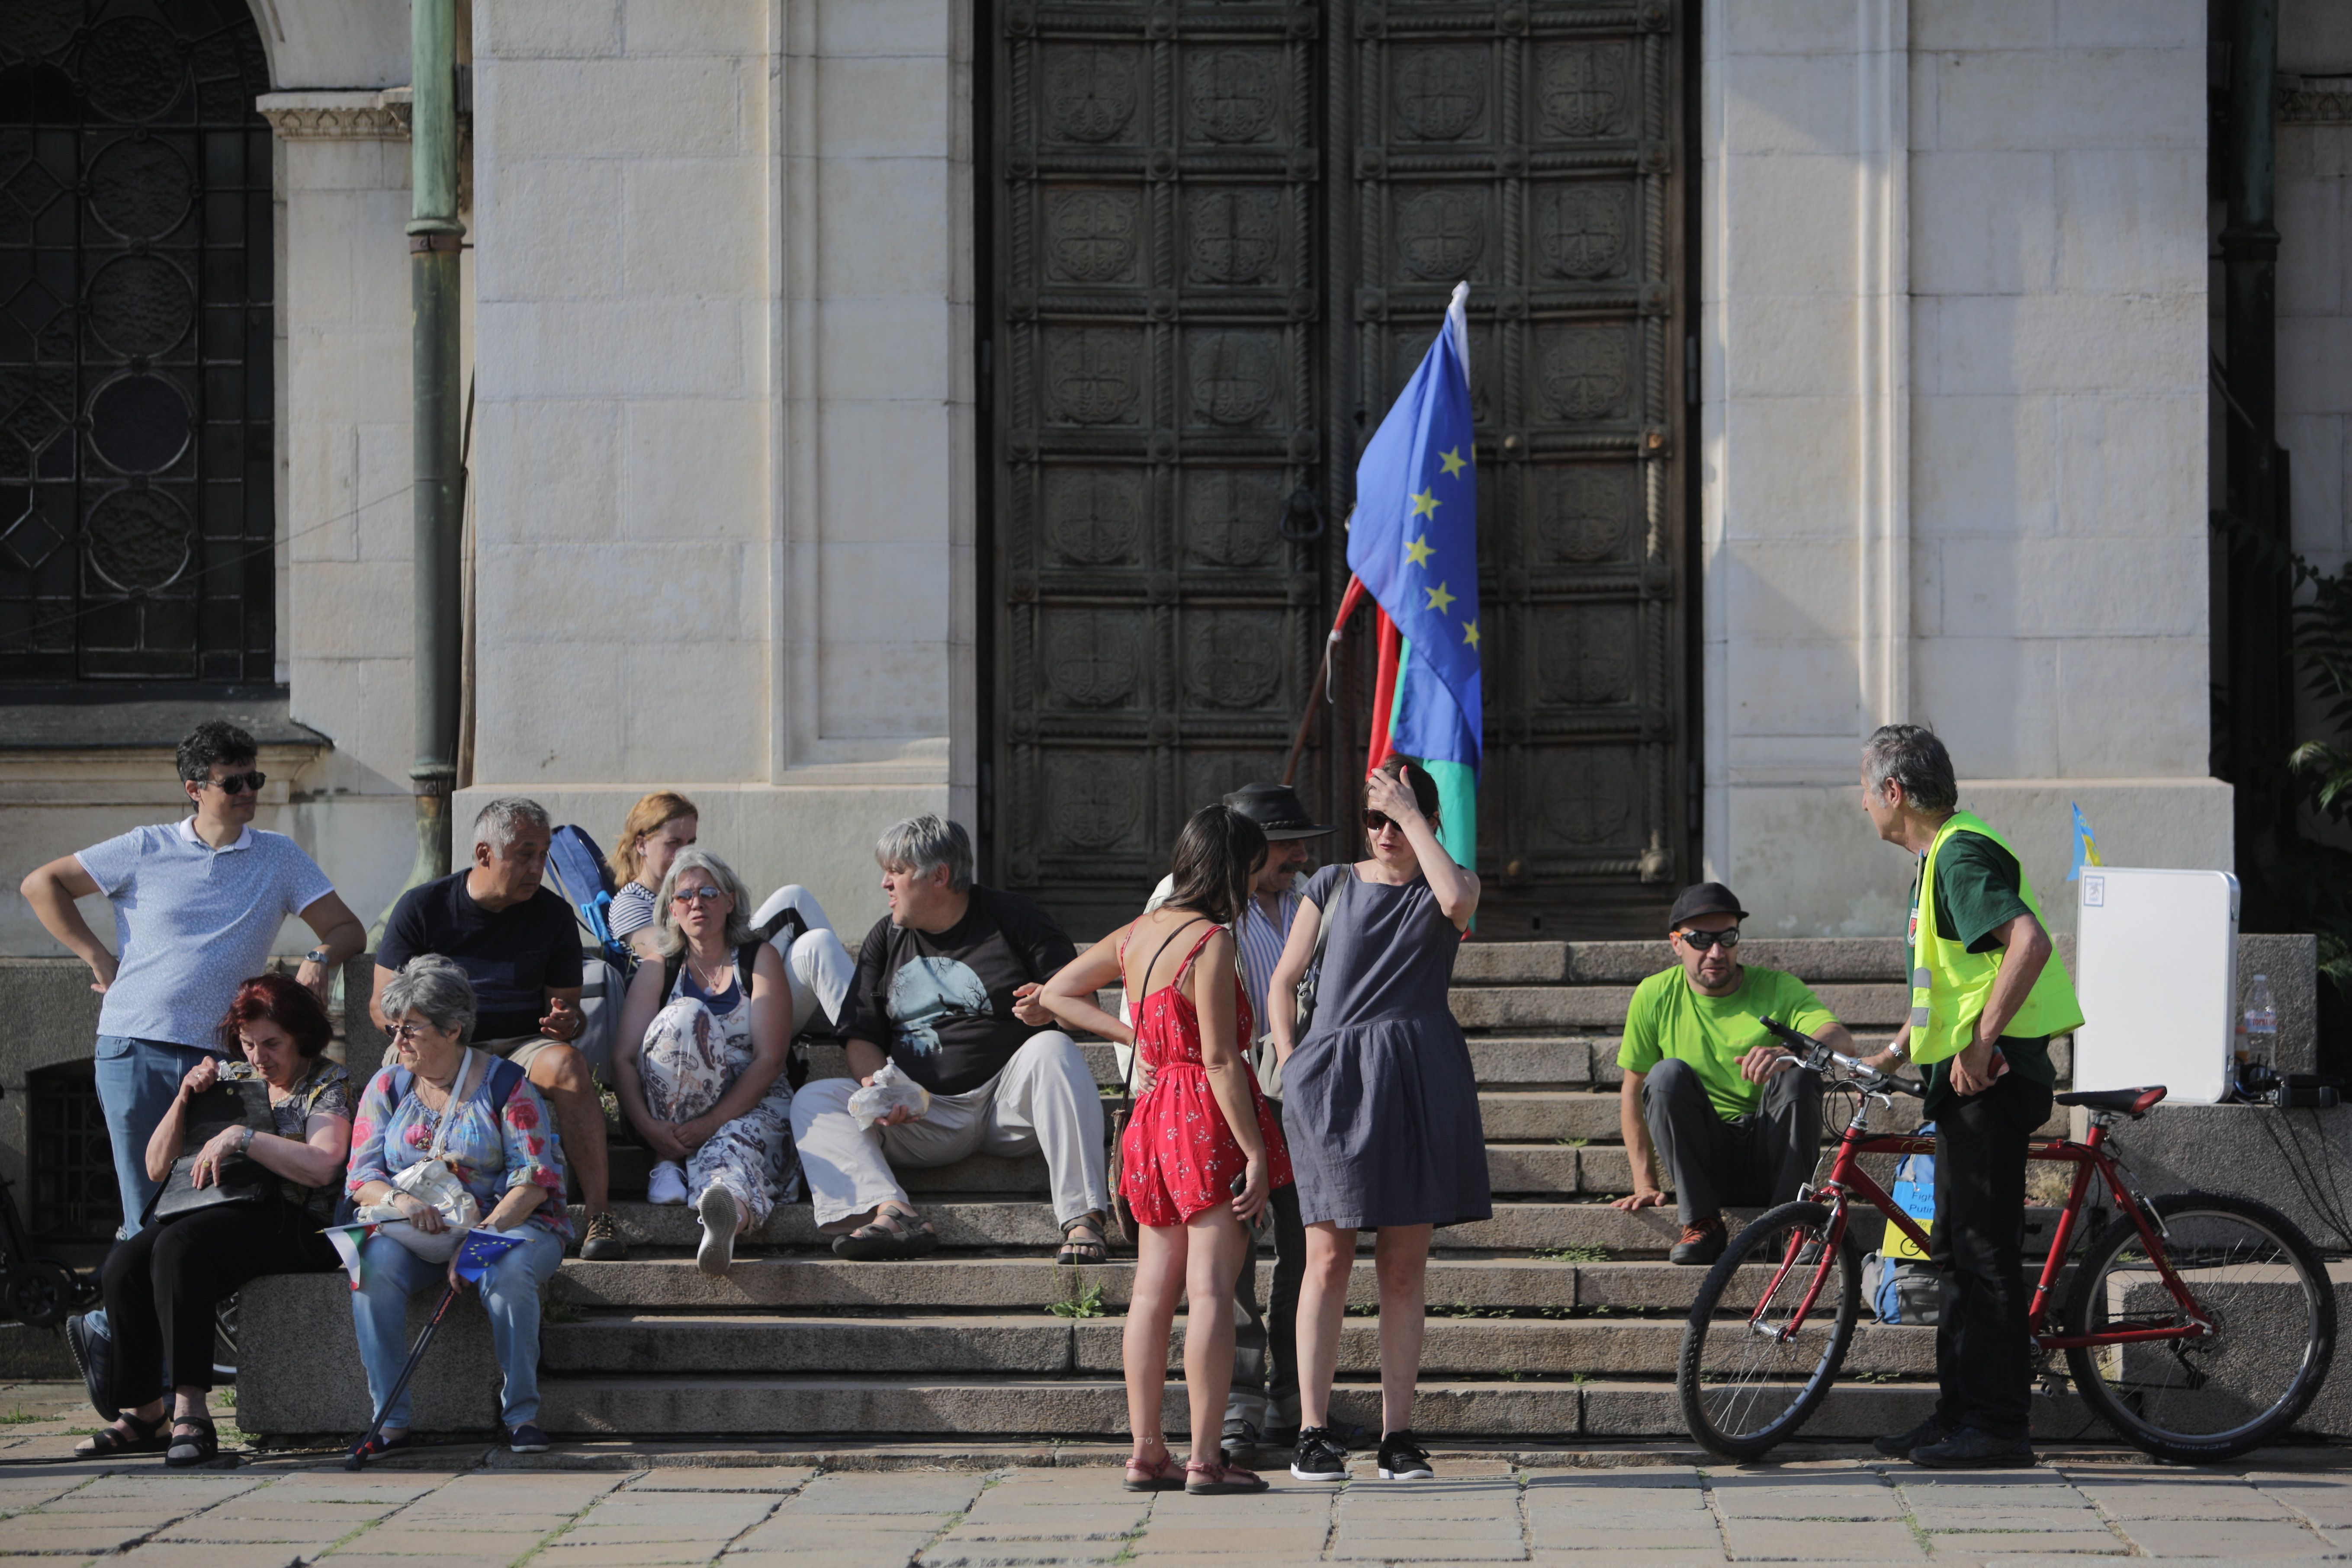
[1180, 1158]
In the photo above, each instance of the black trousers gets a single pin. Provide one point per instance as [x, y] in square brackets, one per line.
[162, 1287]
[1265, 1345]
[1984, 1358]
[1762, 1157]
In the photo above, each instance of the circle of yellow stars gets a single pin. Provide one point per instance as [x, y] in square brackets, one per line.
[1417, 549]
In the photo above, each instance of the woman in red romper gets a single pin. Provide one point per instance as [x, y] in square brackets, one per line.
[1201, 1153]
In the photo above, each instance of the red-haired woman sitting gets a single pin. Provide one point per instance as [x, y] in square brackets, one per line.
[164, 1284]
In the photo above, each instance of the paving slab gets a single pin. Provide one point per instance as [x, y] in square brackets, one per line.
[2230, 1538]
[351, 1556]
[1871, 1540]
[2004, 1545]
[2221, 1498]
[1699, 1534]
[897, 1491]
[638, 1554]
[185, 1554]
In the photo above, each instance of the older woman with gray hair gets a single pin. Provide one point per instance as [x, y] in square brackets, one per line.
[444, 1099]
[699, 1060]
[946, 994]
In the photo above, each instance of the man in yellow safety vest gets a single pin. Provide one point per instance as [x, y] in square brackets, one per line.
[1984, 1001]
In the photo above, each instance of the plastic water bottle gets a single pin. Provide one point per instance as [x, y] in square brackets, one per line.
[2257, 1042]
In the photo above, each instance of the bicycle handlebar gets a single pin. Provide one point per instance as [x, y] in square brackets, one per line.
[1817, 1057]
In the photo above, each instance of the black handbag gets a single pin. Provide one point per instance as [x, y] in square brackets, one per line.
[232, 1102]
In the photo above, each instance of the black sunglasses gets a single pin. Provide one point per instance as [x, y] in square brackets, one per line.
[1703, 940]
[1375, 821]
[238, 783]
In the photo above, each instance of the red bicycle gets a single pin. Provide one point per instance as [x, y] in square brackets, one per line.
[2196, 1325]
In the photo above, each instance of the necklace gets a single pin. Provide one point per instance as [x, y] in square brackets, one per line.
[711, 980]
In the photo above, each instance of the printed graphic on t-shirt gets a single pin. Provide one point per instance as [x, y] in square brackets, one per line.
[927, 991]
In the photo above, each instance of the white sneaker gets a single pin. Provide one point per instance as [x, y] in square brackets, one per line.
[717, 1207]
[668, 1184]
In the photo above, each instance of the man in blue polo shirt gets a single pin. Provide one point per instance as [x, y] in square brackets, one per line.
[197, 904]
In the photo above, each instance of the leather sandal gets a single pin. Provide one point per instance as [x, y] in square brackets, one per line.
[1163, 1474]
[1217, 1478]
[892, 1234]
[200, 1448]
[145, 1438]
[1077, 1250]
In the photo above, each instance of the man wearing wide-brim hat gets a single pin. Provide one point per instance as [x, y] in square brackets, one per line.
[1264, 1405]
[1731, 1117]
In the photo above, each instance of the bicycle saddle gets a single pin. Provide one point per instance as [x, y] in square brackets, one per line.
[2130, 1101]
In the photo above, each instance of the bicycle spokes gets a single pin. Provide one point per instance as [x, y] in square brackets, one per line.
[1768, 1331]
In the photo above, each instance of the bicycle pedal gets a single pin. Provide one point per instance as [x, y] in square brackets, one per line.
[2054, 1385]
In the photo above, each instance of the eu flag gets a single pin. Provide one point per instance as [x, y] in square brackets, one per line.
[1414, 542]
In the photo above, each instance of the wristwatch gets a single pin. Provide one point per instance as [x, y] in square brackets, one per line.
[246, 1143]
[317, 955]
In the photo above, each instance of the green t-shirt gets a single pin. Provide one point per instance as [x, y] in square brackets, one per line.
[1667, 1018]
[1977, 894]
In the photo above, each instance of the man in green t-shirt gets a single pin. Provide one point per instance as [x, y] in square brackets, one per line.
[1726, 1107]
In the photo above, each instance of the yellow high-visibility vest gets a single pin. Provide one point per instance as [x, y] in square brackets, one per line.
[1949, 984]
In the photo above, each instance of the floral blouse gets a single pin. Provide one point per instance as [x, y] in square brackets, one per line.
[488, 1153]
[324, 1091]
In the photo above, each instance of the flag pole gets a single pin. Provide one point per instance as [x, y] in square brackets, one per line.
[1322, 678]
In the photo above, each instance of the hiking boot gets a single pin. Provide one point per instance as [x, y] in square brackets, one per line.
[1969, 1449]
[603, 1242]
[1402, 1459]
[1318, 1457]
[1701, 1243]
[1934, 1429]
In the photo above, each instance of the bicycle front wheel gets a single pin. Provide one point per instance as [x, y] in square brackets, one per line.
[1750, 1373]
[2253, 1279]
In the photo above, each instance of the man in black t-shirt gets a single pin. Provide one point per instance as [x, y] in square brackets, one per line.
[945, 991]
[518, 944]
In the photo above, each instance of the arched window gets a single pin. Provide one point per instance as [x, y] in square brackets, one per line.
[136, 491]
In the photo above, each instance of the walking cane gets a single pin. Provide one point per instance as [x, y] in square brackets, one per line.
[358, 1456]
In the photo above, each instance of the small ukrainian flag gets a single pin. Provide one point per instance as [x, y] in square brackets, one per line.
[2087, 848]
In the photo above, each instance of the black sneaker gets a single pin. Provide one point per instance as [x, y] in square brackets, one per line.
[1969, 1449]
[526, 1438]
[1318, 1457]
[93, 1354]
[1402, 1459]
[1934, 1429]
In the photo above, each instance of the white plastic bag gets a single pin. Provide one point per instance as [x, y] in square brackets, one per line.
[889, 1090]
[430, 1181]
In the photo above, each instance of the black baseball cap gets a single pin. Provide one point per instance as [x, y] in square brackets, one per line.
[1705, 898]
[1277, 812]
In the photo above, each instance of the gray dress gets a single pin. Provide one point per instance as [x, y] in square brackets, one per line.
[1379, 1103]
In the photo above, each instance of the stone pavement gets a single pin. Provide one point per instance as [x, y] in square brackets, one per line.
[272, 1514]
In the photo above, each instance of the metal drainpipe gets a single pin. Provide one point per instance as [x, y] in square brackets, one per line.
[433, 237]
[2260, 695]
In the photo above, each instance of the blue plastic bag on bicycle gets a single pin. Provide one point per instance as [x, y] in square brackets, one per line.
[1915, 1194]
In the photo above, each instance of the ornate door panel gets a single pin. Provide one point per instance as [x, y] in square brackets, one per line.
[1222, 235]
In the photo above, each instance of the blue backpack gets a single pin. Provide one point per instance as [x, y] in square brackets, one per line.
[584, 882]
[1915, 1194]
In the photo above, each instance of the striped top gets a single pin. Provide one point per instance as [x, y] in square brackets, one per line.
[1262, 940]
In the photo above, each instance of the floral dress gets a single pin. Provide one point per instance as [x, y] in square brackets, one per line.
[1179, 1157]
[489, 1151]
[694, 1051]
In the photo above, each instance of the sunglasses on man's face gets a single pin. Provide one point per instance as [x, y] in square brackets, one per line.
[239, 783]
[1703, 940]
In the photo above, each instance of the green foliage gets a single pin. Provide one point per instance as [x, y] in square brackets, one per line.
[1574, 1254]
[1087, 1305]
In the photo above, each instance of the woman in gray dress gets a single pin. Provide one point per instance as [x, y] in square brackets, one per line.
[1378, 1101]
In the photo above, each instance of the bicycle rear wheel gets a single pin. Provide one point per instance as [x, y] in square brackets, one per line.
[1747, 1378]
[2255, 1280]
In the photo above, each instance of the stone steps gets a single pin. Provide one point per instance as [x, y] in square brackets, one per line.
[1039, 1345]
[1556, 1317]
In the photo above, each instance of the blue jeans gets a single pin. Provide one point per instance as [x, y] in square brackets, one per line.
[137, 1081]
[390, 1274]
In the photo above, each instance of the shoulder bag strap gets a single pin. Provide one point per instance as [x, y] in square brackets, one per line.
[458, 1098]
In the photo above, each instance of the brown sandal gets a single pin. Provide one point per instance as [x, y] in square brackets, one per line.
[892, 1234]
[1158, 1475]
[1077, 1250]
[1217, 1478]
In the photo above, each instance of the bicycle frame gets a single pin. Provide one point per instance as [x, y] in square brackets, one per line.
[1848, 1180]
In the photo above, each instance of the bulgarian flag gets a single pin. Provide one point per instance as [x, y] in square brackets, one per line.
[1414, 546]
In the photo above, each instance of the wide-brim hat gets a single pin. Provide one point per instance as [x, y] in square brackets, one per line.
[1277, 812]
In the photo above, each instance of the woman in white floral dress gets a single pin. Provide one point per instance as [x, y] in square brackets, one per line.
[698, 1064]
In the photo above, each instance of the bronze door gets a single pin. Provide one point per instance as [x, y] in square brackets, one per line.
[1222, 235]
